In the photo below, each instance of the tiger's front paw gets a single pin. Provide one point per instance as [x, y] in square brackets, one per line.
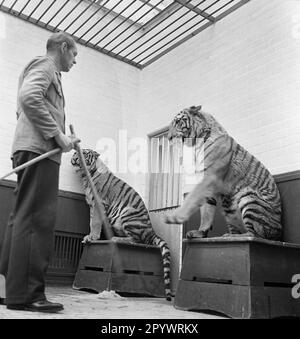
[89, 238]
[122, 240]
[196, 234]
[174, 218]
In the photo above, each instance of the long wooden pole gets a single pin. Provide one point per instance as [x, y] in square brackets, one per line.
[98, 203]
[31, 162]
[116, 260]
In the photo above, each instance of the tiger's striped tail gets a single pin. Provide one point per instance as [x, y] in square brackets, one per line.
[166, 259]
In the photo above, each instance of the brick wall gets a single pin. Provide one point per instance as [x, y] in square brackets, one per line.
[101, 93]
[245, 71]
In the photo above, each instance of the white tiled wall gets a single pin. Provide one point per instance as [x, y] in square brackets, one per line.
[245, 70]
[101, 93]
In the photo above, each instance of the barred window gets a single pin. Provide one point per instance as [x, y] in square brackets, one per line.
[165, 168]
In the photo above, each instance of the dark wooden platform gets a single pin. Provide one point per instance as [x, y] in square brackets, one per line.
[127, 268]
[239, 277]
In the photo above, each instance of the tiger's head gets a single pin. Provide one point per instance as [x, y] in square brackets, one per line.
[190, 123]
[90, 158]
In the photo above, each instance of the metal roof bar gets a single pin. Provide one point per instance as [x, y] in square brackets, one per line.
[23, 7]
[128, 61]
[39, 19]
[164, 13]
[152, 51]
[133, 32]
[175, 11]
[113, 19]
[232, 9]
[96, 23]
[71, 11]
[235, 7]
[88, 19]
[51, 28]
[13, 5]
[80, 15]
[26, 18]
[114, 13]
[121, 23]
[61, 8]
[187, 30]
[154, 36]
[196, 10]
[37, 6]
[150, 5]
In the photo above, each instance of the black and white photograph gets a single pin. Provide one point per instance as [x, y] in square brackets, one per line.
[149, 162]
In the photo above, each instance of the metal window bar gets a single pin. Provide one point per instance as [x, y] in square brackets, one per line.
[165, 180]
[46, 11]
[208, 24]
[88, 19]
[136, 52]
[68, 14]
[196, 10]
[36, 7]
[56, 13]
[12, 6]
[219, 17]
[113, 19]
[150, 5]
[164, 28]
[110, 51]
[167, 17]
[21, 11]
[81, 14]
[99, 20]
[173, 31]
[122, 17]
[153, 169]
[121, 23]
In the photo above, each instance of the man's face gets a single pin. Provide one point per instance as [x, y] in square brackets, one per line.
[68, 58]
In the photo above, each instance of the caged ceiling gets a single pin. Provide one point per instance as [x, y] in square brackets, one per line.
[137, 32]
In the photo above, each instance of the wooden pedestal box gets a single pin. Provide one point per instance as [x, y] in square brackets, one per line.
[240, 277]
[129, 268]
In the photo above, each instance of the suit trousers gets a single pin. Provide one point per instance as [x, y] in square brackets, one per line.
[29, 234]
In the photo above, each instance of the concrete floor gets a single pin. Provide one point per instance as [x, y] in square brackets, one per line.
[105, 305]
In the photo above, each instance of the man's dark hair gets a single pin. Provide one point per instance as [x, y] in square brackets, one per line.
[56, 39]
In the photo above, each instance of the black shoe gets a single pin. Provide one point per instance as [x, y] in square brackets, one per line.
[2, 301]
[37, 306]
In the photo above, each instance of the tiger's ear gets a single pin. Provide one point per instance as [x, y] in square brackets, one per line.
[195, 109]
[96, 155]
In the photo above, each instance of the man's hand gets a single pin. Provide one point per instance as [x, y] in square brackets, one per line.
[66, 143]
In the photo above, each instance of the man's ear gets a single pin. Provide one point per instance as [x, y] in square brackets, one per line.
[64, 47]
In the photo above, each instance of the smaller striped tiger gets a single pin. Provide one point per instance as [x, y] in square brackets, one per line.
[124, 207]
[249, 196]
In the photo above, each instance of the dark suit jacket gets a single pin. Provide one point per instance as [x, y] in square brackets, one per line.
[40, 108]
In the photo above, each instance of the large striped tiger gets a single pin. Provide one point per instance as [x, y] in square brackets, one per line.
[248, 193]
[124, 207]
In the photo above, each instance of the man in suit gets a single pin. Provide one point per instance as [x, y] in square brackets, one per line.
[40, 128]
